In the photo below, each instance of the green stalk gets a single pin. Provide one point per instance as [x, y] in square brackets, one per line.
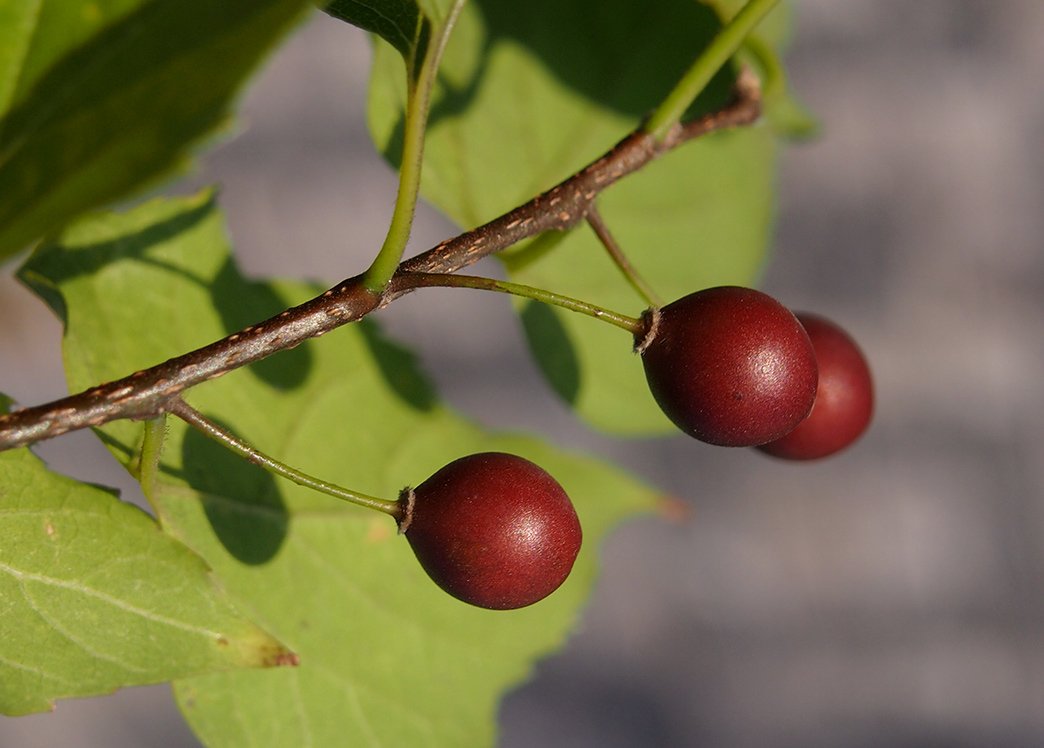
[149, 459]
[717, 53]
[418, 104]
[452, 280]
[197, 420]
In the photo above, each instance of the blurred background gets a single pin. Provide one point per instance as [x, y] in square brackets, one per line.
[891, 596]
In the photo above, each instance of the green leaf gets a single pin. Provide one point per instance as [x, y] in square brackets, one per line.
[380, 644]
[100, 99]
[386, 657]
[395, 21]
[94, 597]
[523, 103]
[16, 23]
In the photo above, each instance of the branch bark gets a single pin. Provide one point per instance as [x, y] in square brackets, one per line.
[149, 393]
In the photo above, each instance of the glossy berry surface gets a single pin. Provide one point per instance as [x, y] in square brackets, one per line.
[492, 529]
[729, 366]
[844, 402]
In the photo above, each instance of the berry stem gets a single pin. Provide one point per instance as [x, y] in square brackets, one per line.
[710, 60]
[404, 281]
[418, 104]
[630, 272]
[197, 420]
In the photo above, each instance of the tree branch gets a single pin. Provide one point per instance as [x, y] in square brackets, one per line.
[151, 392]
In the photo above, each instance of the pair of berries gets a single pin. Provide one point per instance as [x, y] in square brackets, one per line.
[734, 367]
[728, 365]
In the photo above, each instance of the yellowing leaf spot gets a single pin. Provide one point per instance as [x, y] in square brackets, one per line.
[91, 13]
[379, 530]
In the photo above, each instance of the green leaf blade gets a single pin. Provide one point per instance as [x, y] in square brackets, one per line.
[378, 641]
[395, 21]
[107, 98]
[386, 656]
[93, 597]
[18, 18]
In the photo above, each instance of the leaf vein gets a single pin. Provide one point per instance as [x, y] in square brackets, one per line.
[104, 597]
[36, 671]
[74, 639]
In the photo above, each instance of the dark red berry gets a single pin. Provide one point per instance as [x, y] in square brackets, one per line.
[729, 365]
[493, 530]
[844, 401]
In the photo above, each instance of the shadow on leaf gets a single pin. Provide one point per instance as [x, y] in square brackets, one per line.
[399, 367]
[549, 342]
[55, 264]
[241, 500]
[622, 55]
